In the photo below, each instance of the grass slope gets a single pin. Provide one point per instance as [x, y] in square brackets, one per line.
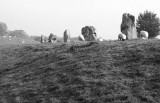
[15, 40]
[95, 72]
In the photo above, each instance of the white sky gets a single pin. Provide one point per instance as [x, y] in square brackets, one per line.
[38, 17]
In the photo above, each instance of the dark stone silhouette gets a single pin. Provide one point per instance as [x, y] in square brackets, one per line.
[52, 38]
[42, 39]
[89, 33]
[66, 35]
[128, 26]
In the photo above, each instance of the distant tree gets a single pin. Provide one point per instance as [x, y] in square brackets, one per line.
[149, 22]
[18, 33]
[3, 29]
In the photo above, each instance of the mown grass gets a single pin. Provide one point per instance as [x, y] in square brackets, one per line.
[8, 40]
[95, 72]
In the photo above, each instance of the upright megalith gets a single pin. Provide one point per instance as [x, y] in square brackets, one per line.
[89, 33]
[52, 38]
[66, 35]
[128, 26]
[42, 39]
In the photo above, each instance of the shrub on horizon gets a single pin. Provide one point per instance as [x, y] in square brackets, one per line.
[148, 21]
[18, 33]
[3, 29]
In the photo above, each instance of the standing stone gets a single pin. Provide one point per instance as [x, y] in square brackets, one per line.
[89, 33]
[42, 39]
[66, 35]
[128, 26]
[52, 38]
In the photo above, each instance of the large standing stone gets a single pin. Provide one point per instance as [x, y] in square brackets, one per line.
[128, 26]
[52, 38]
[89, 33]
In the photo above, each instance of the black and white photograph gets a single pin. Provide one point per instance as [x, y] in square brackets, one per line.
[79, 51]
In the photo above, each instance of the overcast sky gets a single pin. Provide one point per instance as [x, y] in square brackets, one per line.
[38, 17]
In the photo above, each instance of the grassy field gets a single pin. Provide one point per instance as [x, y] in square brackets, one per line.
[15, 41]
[82, 72]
